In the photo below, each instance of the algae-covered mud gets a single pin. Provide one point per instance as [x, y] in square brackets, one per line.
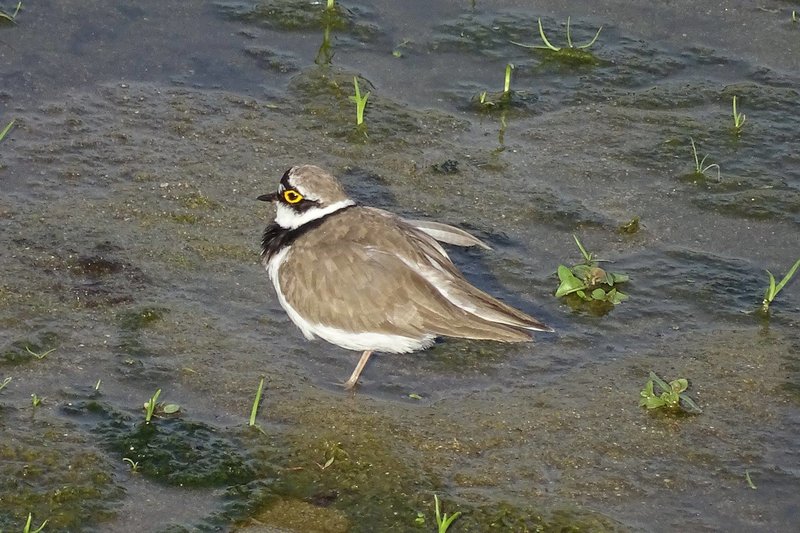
[130, 239]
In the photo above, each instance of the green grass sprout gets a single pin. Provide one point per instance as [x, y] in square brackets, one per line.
[672, 395]
[5, 130]
[442, 520]
[507, 81]
[39, 355]
[36, 400]
[773, 289]
[133, 464]
[590, 282]
[256, 401]
[331, 4]
[360, 101]
[5, 382]
[27, 528]
[11, 17]
[150, 406]
[550, 46]
[795, 16]
[487, 100]
[97, 386]
[738, 118]
[700, 168]
[749, 481]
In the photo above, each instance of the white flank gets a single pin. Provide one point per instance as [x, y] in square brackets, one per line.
[288, 218]
[346, 339]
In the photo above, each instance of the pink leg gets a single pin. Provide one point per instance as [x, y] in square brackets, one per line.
[350, 383]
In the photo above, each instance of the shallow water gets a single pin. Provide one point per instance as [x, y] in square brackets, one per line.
[130, 247]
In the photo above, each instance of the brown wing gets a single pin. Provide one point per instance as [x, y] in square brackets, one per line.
[361, 281]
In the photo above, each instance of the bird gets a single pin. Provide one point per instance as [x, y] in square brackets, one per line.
[366, 279]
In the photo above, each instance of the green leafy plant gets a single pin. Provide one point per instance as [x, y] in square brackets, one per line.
[360, 101]
[738, 118]
[256, 401]
[442, 520]
[27, 528]
[5, 130]
[700, 167]
[11, 17]
[773, 289]
[331, 4]
[590, 282]
[36, 400]
[658, 394]
[5, 382]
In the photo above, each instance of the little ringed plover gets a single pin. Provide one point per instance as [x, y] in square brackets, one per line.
[365, 279]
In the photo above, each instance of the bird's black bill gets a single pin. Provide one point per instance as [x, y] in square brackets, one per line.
[268, 197]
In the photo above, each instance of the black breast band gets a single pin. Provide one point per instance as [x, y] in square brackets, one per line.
[276, 237]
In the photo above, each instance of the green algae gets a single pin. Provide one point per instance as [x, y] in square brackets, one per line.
[136, 319]
[70, 485]
[175, 451]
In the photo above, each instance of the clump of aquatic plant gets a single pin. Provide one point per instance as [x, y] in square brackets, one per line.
[333, 451]
[442, 520]
[6, 129]
[571, 53]
[774, 288]
[360, 101]
[152, 407]
[590, 282]
[487, 100]
[256, 402]
[630, 227]
[11, 17]
[28, 526]
[700, 167]
[738, 118]
[658, 394]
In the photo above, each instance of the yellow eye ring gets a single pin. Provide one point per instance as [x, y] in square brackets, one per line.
[291, 196]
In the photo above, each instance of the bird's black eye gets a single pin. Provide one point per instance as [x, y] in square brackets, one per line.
[291, 196]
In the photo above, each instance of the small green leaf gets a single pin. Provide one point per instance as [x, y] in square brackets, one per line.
[679, 385]
[599, 294]
[619, 278]
[171, 408]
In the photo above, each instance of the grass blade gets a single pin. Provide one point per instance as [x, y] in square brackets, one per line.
[256, 402]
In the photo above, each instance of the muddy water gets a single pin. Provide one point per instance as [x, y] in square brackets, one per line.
[130, 243]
